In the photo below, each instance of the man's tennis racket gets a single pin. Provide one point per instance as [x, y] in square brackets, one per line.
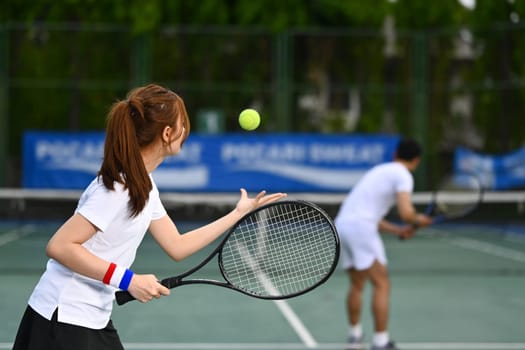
[277, 251]
[457, 196]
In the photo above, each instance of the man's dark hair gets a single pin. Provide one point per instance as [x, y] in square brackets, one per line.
[408, 149]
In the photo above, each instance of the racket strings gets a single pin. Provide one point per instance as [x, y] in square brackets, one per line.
[458, 195]
[281, 250]
[260, 272]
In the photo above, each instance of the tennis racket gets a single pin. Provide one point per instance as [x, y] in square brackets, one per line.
[457, 196]
[278, 251]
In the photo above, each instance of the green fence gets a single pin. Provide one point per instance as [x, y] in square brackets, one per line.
[446, 88]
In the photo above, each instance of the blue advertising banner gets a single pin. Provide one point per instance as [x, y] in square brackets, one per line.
[218, 163]
[61, 160]
[501, 172]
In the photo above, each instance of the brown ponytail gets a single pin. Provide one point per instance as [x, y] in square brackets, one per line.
[133, 124]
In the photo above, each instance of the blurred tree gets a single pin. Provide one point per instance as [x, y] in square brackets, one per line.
[70, 53]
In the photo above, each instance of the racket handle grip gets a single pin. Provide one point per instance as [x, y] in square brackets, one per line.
[123, 297]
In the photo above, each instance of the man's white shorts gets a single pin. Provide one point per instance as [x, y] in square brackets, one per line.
[361, 244]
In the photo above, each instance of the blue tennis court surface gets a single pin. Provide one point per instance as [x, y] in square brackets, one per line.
[453, 287]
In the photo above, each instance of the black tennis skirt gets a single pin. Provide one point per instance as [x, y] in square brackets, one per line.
[38, 333]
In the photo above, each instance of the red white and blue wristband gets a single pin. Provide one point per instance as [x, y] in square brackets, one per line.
[118, 277]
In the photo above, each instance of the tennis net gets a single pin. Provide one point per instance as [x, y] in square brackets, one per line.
[35, 204]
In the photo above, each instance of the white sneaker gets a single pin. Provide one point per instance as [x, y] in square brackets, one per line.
[355, 343]
[389, 346]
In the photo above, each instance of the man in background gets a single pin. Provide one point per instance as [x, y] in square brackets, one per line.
[360, 221]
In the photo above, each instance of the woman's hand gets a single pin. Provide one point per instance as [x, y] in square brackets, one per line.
[247, 204]
[146, 287]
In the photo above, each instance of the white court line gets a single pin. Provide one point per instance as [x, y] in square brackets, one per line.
[296, 324]
[299, 346]
[286, 310]
[15, 234]
[489, 248]
[338, 346]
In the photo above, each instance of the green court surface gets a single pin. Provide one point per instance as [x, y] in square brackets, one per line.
[453, 287]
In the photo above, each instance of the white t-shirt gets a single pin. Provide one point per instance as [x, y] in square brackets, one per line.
[81, 300]
[375, 193]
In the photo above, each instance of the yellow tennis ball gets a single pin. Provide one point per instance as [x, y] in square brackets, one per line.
[249, 119]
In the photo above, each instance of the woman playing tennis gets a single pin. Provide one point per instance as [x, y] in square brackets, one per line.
[90, 254]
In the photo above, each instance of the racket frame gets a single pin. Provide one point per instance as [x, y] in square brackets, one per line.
[123, 297]
[437, 217]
